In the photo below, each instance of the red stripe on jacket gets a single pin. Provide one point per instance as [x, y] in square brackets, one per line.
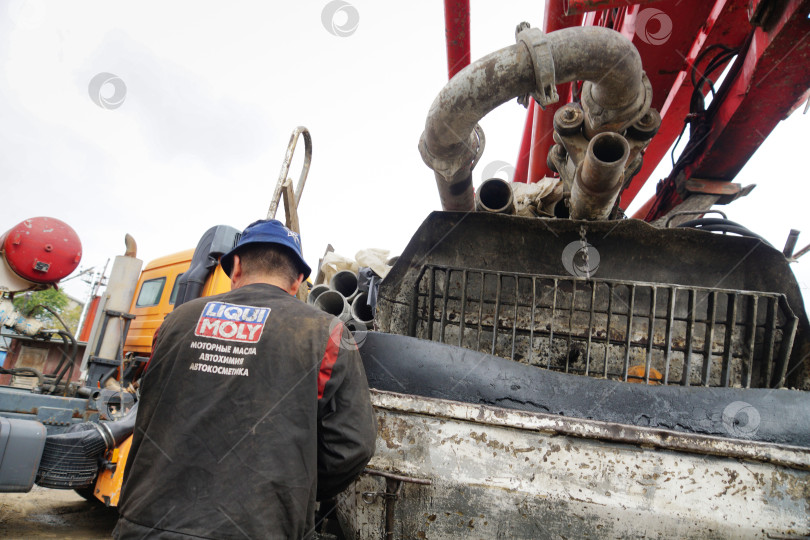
[329, 358]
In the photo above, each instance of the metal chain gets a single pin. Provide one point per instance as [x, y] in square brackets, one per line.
[584, 250]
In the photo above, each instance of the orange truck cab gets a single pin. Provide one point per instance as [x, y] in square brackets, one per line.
[156, 295]
[175, 279]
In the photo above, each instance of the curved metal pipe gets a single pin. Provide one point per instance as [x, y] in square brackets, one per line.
[495, 196]
[335, 304]
[131, 245]
[615, 96]
[605, 58]
[452, 141]
[599, 177]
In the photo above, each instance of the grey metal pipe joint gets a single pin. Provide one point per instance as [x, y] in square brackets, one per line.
[600, 176]
[616, 94]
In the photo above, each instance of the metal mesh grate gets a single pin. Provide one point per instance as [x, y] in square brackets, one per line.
[634, 331]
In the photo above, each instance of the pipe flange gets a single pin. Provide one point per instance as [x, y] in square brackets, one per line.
[539, 50]
[568, 119]
[646, 127]
[461, 162]
[599, 119]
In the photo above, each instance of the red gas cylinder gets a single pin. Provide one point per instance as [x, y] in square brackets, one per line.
[42, 249]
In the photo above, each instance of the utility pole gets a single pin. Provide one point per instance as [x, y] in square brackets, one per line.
[96, 283]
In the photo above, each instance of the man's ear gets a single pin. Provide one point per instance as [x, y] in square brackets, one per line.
[296, 284]
[236, 272]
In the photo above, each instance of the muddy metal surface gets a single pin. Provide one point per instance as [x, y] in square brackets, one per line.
[52, 513]
[477, 471]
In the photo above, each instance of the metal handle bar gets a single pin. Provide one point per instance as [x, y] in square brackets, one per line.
[285, 169]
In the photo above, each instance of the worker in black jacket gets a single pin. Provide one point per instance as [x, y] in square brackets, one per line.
[254, 406]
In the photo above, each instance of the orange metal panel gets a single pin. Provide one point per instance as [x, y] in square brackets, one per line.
[108, 485]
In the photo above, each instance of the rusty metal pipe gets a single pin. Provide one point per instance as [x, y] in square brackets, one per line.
[495, 196]
[615, 97]
[602, 56]
[131, 245]
[599, 177]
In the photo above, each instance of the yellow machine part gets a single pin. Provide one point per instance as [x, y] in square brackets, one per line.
[109, 482]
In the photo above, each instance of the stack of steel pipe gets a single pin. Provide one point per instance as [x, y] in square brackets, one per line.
[344, 300]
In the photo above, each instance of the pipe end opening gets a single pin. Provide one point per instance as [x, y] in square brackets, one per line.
[495, 195]
[610, 148]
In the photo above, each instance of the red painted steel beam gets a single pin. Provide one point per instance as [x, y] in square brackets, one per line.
[577, 7]
[723, 21]
[543, 120]
[774, 78]
[522, 166]
[781, 77]
[457, 35]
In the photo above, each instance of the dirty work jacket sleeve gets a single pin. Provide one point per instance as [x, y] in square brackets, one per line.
[347, 427]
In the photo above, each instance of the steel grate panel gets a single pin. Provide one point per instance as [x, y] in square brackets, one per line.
[609, 328]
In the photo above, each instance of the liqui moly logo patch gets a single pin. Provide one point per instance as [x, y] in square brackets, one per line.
[230, 322]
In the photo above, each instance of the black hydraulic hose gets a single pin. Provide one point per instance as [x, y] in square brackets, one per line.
[64, 356]
[51, 311]
[741, 231]
[24, 371]
[72, 358]
[708, 221]
[72, 361]
[61, 371]
[722, 225]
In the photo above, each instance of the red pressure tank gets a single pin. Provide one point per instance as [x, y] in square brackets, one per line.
[42, 249]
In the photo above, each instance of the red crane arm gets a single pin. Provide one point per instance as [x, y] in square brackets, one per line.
[772, 78]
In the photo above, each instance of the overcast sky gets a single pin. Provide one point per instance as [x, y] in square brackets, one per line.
[209, 93]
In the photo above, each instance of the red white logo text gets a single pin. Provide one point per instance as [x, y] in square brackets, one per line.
[230, 322]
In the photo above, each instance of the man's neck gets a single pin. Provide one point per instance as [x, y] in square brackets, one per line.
[267, 280]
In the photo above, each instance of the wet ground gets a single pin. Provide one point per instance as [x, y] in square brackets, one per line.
[53, 513]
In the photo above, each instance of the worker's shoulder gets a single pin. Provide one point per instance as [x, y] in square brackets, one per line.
[258, 295]
[193, 308]
[295, 308]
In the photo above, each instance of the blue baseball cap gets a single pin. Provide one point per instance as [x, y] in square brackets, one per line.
[268, 231]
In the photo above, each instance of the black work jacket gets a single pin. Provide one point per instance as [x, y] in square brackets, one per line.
[254, 404]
